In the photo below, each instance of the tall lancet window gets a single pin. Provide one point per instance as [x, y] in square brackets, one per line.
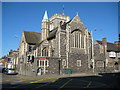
[82, 42]
[45, 52]
[76, 39]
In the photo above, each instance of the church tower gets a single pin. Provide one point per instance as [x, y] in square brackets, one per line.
[45, 27]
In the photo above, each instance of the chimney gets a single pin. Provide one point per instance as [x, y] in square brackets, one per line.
[10, 51]
[104, 43]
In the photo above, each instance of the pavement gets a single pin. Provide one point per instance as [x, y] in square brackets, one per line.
[61, 75]
[74, 81]
[50, 75]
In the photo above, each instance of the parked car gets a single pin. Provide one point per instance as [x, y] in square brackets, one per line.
[10, 71]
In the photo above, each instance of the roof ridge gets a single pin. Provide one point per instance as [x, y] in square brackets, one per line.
[32, 32]
[107, 42]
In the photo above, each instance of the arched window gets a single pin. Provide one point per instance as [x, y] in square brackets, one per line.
[76, 40]
[45, 52]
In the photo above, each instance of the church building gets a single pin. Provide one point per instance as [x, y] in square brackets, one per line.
[63, 47]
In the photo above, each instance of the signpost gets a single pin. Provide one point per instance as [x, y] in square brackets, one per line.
[41, 58]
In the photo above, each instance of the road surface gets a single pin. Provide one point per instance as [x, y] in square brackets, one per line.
[109, 80]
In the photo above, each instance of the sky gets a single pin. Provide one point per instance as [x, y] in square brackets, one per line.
[20, 16]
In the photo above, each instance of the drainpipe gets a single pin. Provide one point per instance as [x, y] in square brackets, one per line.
[59, 67]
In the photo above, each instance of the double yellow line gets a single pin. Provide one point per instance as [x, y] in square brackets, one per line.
[37, 81]
[44, 79]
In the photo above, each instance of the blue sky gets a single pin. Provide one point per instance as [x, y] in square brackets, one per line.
[20, 16]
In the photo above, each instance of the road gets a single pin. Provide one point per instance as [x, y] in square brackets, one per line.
[109, 80]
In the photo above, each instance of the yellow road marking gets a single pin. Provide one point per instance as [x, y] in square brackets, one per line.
[12, 83]
[18, 80]
[53, 80]
[6, 80]
[24, 80]
[37, 81]
[65, 84]
[41, 86]
[44, 79]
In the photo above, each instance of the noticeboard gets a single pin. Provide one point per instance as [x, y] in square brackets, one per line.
[41, 58]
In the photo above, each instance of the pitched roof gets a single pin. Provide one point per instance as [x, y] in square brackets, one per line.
[99, 42]
[77, 24]
[110, 46]
[32, 37]
[52, 34]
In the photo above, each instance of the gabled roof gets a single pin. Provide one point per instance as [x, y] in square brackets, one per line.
[76, 19]
[99, 42]
[52, 34]
[32, 37]
[110, 46]
[77, 24]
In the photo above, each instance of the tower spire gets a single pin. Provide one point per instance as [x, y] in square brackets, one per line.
[76, 13]
[63, 10]
[45, 16]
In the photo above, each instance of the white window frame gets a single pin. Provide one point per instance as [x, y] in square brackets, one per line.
[47, 63]
[42, 62]
[112, 54]
[78, 63]
[76, 39]
[118, 54]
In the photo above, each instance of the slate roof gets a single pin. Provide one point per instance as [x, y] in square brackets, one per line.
[52, 34]
[75, 25]
[110, 46]
[99, 42]
[32, 37]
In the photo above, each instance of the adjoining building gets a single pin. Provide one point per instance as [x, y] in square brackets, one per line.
[11, 60]
[27, 42]
[63, 46]
[107, 56]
